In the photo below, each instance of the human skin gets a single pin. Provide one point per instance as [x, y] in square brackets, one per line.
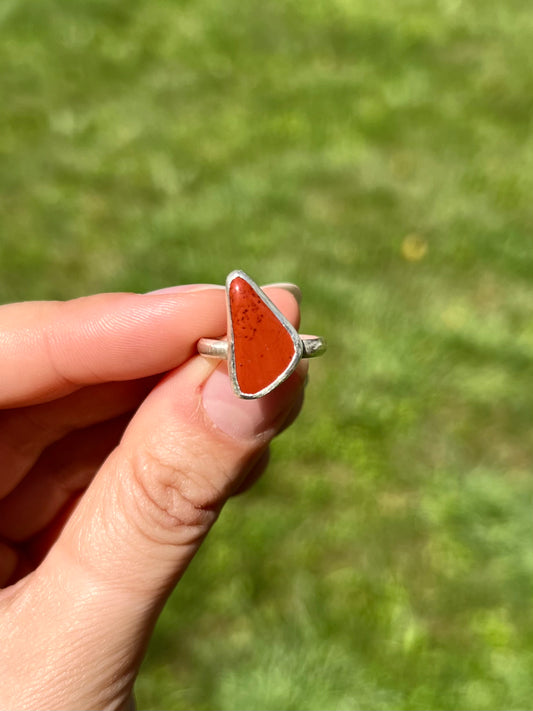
[119, 445]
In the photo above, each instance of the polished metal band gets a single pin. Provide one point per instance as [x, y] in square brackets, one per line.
[214, 348]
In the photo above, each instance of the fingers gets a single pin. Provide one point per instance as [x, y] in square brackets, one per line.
[189, 446]
[61, 346]
[255, 473]
[65, 468]
[8, 562]
[26, 432]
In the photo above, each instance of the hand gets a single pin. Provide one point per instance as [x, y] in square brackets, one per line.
[118, 448]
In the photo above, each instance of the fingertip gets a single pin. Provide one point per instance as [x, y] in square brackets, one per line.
[286, 302]
[294, 289]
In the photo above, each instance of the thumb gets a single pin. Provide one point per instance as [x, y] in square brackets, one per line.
[100, 589]
[186, 451]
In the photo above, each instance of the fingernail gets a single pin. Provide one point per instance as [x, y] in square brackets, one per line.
[185, 288]
[246, 419]
[288, 286]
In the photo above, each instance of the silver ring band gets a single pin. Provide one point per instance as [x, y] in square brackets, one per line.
[216, 348]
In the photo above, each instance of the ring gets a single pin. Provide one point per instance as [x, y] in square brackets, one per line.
[262, 347]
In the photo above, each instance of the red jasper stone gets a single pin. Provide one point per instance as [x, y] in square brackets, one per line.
[263, 347]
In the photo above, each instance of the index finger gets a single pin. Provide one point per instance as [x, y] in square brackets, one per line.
[51, 348]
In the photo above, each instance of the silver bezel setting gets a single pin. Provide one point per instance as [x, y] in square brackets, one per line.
[295, 337]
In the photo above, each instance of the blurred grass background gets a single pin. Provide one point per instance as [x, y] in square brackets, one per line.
[380, 155]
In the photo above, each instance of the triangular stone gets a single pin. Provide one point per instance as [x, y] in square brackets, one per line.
[264, 348]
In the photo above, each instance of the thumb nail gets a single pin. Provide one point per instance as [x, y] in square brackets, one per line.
[246, 419]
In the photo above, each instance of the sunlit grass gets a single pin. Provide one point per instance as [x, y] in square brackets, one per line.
[380, 155]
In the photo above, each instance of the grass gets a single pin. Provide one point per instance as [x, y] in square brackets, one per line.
[380, 155]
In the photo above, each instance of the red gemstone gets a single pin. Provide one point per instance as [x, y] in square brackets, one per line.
[263, 346]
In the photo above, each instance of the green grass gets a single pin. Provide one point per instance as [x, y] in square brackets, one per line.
[380, 154]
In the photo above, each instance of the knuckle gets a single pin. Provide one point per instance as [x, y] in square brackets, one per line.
[176, 500]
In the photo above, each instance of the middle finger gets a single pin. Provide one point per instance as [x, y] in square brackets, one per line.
[26, 432]
[63, 471]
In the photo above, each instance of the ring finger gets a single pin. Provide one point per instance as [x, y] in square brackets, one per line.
[65, 468]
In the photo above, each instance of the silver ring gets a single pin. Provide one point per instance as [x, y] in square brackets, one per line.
[312, 346]
[262, 347]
